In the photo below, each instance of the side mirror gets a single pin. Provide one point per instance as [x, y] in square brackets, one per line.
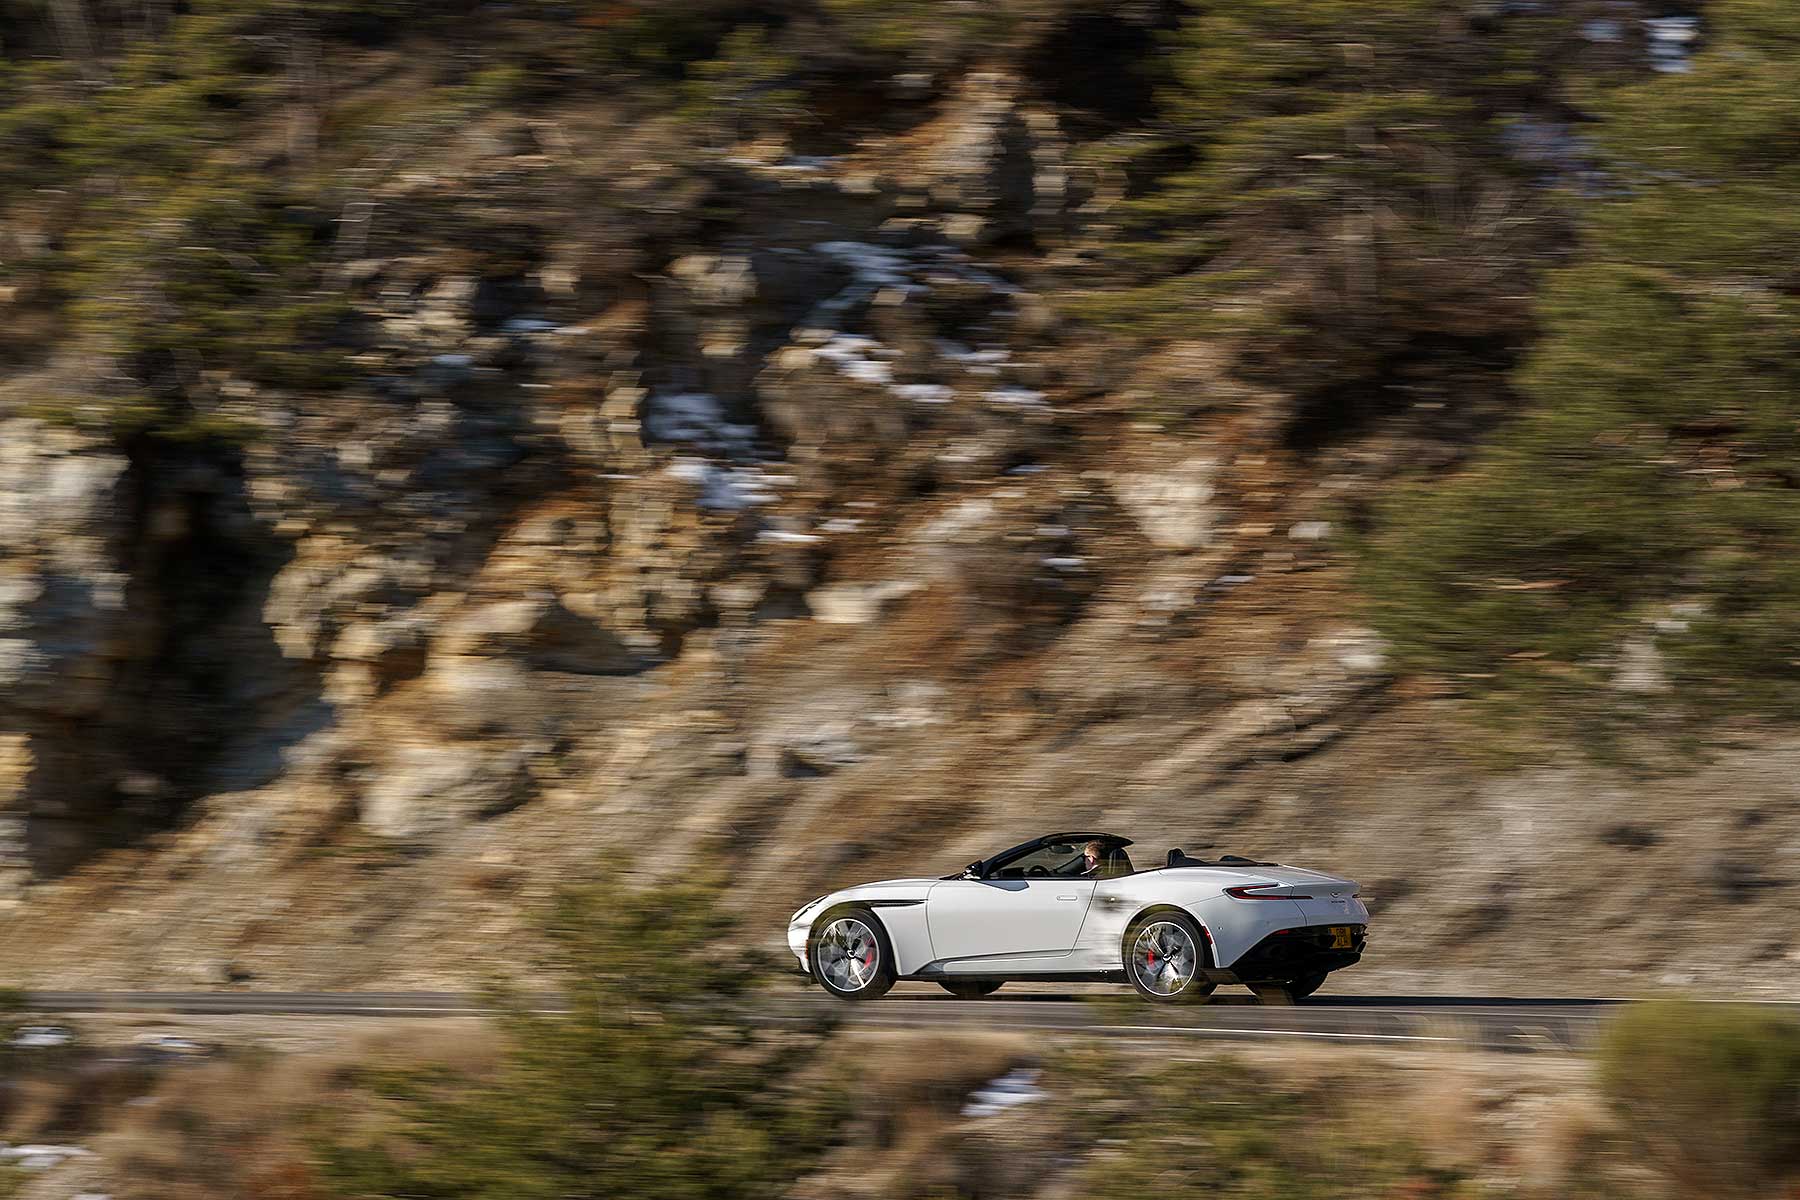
[972, 871]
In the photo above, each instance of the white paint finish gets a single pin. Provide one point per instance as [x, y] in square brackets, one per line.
[897, 903]
[1232, 925]
[1020, 927]
[905, 925]
[1237, 925]
[992, 918]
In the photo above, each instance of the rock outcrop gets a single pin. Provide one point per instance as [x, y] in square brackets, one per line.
[763, 511]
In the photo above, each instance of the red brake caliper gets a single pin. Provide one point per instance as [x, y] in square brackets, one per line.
[1150, 956]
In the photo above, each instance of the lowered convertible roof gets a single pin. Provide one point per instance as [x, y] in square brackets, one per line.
[1080, 835]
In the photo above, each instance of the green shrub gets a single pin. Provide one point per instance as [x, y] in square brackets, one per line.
[1317, 189]
[1222, 1129]
[911, 28]
[1655, 467]
[1711, 1092]
[656, 1085]
[222, 274]
[744, 90]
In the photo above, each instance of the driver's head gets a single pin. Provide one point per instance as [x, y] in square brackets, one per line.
[1094, 854]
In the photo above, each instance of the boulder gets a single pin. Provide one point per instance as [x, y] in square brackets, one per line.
[996, 165]
[64, 521]
[857, 603]
[422, 791]
[1173, 506]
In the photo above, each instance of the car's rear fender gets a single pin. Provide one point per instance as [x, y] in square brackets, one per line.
[1323, 899]
[1237, 925]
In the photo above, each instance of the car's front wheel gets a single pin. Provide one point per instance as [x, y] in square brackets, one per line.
[851, 956]
[1165, 953]
[970, 989]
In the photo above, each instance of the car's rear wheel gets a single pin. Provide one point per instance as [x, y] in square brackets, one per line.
[851, 956]
[1165, 953]
[1306, 985]
[970, 989]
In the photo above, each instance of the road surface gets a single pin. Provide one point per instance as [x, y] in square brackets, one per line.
[1496, 1023]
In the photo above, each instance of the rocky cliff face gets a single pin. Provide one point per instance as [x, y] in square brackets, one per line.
[761, 515]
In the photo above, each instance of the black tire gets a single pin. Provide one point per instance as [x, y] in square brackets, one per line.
[1306, 985]
[1141, 966]
[970, 989]
[861, 978]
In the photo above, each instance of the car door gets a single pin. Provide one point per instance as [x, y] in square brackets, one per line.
[990, 918]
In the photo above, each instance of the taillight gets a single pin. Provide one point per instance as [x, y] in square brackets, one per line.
[1249, 891]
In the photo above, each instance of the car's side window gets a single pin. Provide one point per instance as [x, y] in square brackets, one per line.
[1057, 858]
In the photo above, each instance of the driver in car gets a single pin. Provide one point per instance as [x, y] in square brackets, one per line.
[1093, 858]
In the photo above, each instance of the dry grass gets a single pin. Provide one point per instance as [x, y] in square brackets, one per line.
[237, 1127]
[908, 1137]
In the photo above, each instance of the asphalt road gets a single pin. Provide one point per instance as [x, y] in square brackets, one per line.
[1493, 1022]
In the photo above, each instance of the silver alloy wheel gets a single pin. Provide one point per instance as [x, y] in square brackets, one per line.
[849, 954]
[1163, 958]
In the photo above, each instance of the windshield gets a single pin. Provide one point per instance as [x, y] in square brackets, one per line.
[1092, 859]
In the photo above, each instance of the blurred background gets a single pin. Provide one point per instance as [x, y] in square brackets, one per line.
[453, 452]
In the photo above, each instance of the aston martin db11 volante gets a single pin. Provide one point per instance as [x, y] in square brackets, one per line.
[1073, 907]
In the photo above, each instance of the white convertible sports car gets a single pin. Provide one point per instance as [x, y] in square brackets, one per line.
[1072, 907]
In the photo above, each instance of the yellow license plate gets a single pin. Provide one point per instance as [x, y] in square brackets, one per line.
[1340, 937]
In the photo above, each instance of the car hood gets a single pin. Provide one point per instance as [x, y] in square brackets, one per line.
[888, 890]
[915, 887]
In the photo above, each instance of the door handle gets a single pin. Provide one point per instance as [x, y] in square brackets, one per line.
[1066, 897]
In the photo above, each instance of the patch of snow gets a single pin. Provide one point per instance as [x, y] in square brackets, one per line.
[529, 325]
[1603, 29]
[787, 536]
[40, 1157]
[1232, 580]
[697, 419]
[924, 393]
[1064, 563]
[868, 371]
[841, 525]
[1015, 397]
[1026, 469]
[962, 355]
[1672, 42]
[42, 1037]
[726, 489]
[853, 356]
[1012, 1089]
[1309, 531]
[804, 162]
[869, 264]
